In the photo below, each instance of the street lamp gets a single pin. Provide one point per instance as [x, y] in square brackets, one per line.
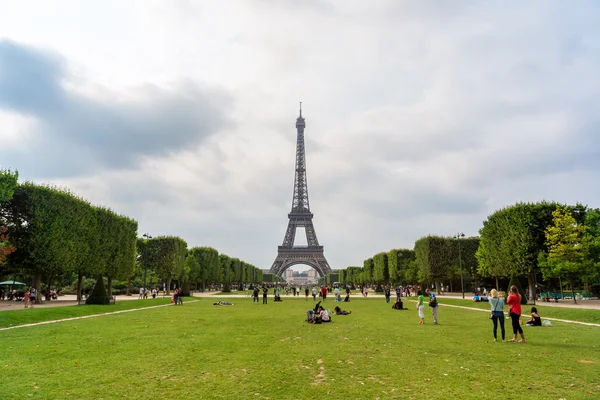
[147, 236]
[462, 284]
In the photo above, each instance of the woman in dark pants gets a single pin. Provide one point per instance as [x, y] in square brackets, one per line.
[497, 308]
[514, 302]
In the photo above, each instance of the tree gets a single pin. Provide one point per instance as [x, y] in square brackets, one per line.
[226, 273]
[434, 255]
[380, 269]
[511, 240]
[367, 272]
[8, 184]
[568, 248]
[167, 254]
[398, 262]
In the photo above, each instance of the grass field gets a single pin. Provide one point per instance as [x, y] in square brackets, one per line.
[268, 352]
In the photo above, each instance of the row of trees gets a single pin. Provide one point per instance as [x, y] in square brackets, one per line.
[52, 232]
[47, 233]
[434, 259]
[515, 242]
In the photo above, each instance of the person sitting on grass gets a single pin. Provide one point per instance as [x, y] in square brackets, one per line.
[535, 320]
[338, 311]
[398, 305]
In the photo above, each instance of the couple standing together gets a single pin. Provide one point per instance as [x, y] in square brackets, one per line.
[497, 308]
[432, 303]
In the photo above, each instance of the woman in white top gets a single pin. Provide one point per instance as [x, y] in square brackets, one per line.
[497, 307]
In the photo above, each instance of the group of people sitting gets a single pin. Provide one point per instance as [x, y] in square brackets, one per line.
[320, 314]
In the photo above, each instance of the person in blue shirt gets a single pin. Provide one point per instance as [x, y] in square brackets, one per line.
[434, 306]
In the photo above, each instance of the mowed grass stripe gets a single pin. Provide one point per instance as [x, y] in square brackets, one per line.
[269, 352]
[41, 316]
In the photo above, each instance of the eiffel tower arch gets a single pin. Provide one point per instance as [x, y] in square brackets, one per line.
[300, 217]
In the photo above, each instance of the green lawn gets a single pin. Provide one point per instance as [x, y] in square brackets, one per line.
[268, 352]
[23, 316]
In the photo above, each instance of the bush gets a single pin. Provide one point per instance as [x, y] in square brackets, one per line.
[98, 295]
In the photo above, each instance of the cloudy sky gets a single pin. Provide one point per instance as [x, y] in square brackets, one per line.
[423, 117]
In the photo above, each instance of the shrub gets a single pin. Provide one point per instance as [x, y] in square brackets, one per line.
[98, 295]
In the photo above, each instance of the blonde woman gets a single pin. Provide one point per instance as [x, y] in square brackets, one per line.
[497, 308]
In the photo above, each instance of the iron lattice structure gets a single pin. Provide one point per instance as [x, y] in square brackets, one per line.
[300, 216]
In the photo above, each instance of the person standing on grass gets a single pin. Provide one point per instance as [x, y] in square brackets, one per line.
[255, 295]
[387, 294]
[314, 293]
[497, 306]
[26, 298]
[514, 302]
[32, 296]
[421, 306]
[180, 296]
[323, 293]
[434, 306]
[306, 293]
[265, 292]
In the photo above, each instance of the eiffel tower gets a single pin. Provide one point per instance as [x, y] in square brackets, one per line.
[300, 216]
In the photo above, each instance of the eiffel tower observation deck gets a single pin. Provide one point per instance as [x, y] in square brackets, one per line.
[300, 217]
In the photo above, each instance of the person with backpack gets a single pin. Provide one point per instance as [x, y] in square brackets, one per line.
[434, 305]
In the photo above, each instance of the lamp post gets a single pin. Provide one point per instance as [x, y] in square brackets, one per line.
[147, 236]
[462, 284]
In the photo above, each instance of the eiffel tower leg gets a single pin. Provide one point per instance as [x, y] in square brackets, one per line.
[290, 235]
[311, 235]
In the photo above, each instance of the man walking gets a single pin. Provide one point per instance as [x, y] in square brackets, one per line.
[255, 295]
[314, 293]
[434, 306]
[265, 292]
[306, 293]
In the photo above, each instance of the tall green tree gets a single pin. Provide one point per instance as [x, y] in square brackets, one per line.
[380, 269]
[511, 240]
[367, 272]
[398, 263]
[8, 184]
[226, 272]
[568, 248]
[434, 256]
[167, 255]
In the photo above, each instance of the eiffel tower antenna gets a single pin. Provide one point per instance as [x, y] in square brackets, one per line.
[300, 216]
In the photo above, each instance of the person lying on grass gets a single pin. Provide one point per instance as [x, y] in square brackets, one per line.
[223, 303]
[338, 311]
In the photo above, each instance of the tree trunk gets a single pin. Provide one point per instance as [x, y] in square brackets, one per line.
[497, 286]
[37, 283]
[79, 279]
[168, 288]
[573, 291]
[109, 287]
[129, 287]
[562, 295]
[48, 284]
[531, 287]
